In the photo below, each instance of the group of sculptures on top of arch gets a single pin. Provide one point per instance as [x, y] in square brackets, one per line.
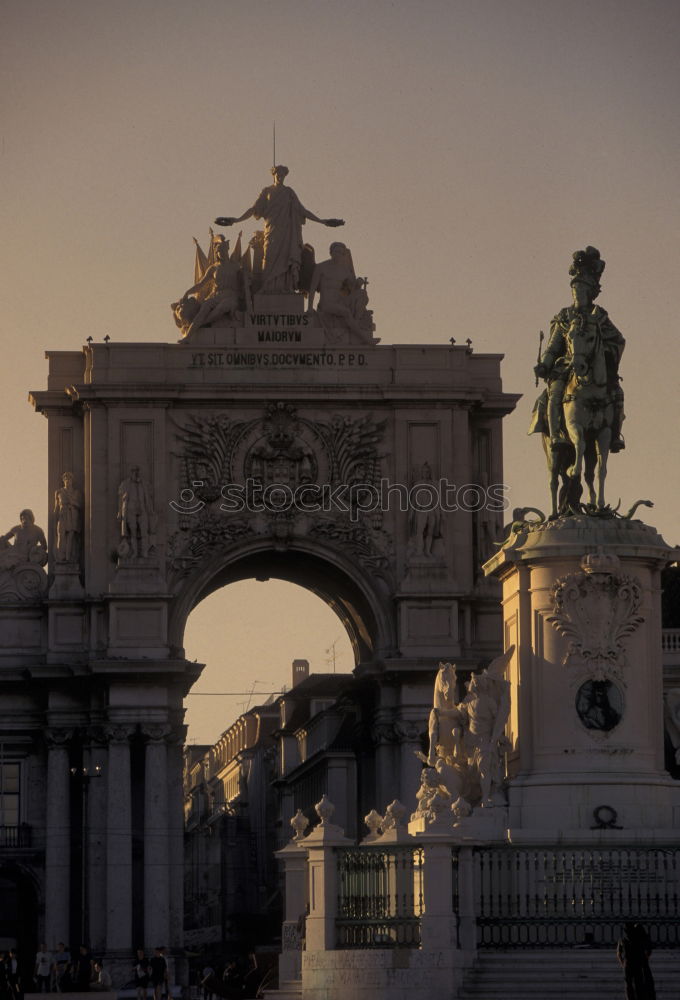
[275, 262]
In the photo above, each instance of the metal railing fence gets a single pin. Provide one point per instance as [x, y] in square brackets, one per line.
[549, 897]
[380, 898]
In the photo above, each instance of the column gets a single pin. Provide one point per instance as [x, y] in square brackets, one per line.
[58, 838]
[323, 879]
[467, 916]
[95, 831]
[409, 731]
[438, 922]
[176, 845]
[385, 740]
[156, 838]
[118, 840]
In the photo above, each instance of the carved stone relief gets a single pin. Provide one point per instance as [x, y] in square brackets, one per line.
[136, 518]
[597, 609]
[280, 476]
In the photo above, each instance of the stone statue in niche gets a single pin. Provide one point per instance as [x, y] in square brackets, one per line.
[68, 507]
[29, 546]
[135, 513]
[425, 521]
[284, 216]
[215, 293]
[343, 299]
[599, 705]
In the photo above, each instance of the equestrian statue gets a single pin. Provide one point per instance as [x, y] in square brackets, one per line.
[580, 413]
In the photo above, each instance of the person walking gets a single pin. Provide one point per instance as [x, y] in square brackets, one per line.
[82, 970]
[633, 951]
[43, 969]
[5, 988]
[159, 973]
[62, 962]
[142, 974]
[14, 974]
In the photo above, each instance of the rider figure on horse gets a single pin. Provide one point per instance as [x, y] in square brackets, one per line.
[555, 365]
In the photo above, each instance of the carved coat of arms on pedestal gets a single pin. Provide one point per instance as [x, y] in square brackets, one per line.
[597, 609]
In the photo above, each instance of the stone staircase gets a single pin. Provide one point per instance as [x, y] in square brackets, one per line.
[287, 990]
[565, 973]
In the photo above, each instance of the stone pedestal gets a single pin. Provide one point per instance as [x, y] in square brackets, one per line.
[581, 604]
[323, 885]
[294, 859]
[66, 584]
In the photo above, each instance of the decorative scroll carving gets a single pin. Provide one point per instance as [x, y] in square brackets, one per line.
[119, 734]
[56, 738]
[597, 609]
[23, 583]
[157, 732]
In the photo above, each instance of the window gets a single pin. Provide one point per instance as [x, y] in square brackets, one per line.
[9, 794]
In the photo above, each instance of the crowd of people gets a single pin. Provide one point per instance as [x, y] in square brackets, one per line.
[60, 971]
[240, 978]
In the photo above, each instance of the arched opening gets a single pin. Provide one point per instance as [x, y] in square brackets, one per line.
[18, 915]
[359, 598]
[248, 634]
[264, 742]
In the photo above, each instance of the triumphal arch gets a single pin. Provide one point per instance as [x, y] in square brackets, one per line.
[278, 437]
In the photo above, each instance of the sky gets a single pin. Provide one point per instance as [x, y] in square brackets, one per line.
[470, 145]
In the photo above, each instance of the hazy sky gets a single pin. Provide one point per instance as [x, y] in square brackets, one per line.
[471, 146]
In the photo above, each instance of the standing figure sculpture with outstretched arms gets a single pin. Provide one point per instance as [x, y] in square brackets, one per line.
[284, 216]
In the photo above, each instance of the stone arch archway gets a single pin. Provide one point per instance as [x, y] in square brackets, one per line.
[155, 436]
[360, 602]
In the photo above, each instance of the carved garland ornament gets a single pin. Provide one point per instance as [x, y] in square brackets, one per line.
[597, 609]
